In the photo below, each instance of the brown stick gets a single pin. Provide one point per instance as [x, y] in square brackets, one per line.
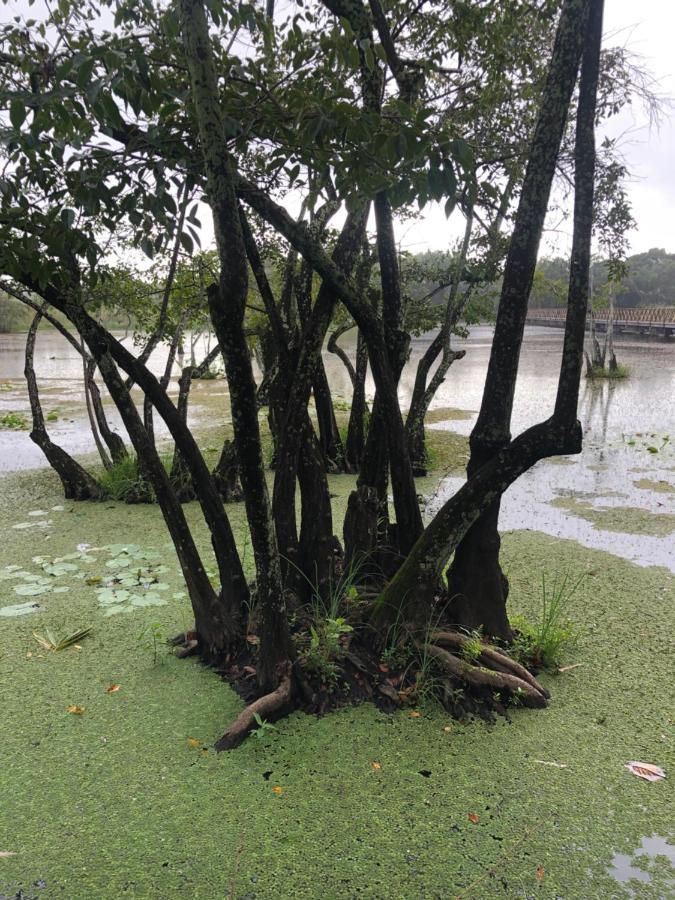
[491, 657]
[266, 706]
[486, 677]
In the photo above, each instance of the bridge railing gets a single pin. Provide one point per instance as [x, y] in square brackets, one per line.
[648, 315]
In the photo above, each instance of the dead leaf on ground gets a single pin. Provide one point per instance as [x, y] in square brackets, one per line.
[447, 728]
[376, 765]
[540, 873]
[113, 688]
[562, 669]
[414, 714]
[474, 818]
[646, 770]
[194, 742]
[75, 710]
[277, 790]
[252, 638]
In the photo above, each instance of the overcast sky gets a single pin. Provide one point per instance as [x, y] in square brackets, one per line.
[647, 28]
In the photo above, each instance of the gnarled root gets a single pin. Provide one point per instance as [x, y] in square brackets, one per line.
[484, 677]
[490, 657]
[271, 706]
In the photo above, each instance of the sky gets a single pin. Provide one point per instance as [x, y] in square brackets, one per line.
[647, 29]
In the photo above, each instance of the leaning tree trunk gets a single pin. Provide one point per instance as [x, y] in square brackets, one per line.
[77, 483]
[423, 392]
[115, 443]
[476, 580]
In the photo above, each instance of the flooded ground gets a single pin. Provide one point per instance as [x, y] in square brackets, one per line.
[618, 495]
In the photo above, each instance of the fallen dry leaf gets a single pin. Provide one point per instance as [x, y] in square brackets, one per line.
[29, 654]
[5, 853]
[252, 638]
[447, 728]
[414, 714]
[277, 790]
[113, 688]
[561, 669]
[473, 818]
[75, 710]
[540, 873]
[376, 765]
[194, 742]
[646, 770]
[383, 667]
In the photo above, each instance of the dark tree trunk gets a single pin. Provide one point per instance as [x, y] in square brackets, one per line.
[77, 483]
[358, 414]
[329, 433]
[218, 620]
[226, 474]
[180, 474]
[482, 588]
[115, 443]
[227, 302]
[234, 589]
[424, 390]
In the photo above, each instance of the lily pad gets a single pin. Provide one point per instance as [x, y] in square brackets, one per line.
[60, 568]
[31, 590]
[148, 600]
[19, 609]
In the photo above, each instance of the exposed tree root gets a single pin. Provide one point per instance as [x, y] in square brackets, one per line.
[490, 657]
[479, 676]
[271, 706]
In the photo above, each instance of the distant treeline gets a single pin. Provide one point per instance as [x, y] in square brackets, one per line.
[16, 318]
[650, 281]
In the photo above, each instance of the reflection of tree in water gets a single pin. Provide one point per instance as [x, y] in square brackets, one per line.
[594, 413]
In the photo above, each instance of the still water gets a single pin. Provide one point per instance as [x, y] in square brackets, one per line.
[618, 495]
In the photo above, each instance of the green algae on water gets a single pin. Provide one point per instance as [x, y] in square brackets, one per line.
[119, 801]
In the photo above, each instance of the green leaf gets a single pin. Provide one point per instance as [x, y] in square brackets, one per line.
[187, 243]
[17, 114]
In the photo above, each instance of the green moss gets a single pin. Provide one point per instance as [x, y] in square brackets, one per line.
[628, 519]
[447, 414]
[118, 802]
[447, 451]
[647, 484]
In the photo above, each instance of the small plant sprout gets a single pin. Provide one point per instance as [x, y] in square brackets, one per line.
[264, 727]
[540, 642]
[151, 638]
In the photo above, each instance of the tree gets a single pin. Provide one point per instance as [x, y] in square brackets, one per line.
[348, 103]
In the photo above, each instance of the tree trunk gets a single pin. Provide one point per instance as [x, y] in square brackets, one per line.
[467, 582]
[77, 483]
[329, 433]
[227, 302]
[218, 620]
[115, 443]
[358, 414]
[423, 392]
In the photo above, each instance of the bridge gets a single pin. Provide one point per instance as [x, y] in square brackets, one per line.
[658, 321]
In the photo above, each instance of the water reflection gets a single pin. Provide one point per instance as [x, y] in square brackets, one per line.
[627, 462]
[625, 868]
